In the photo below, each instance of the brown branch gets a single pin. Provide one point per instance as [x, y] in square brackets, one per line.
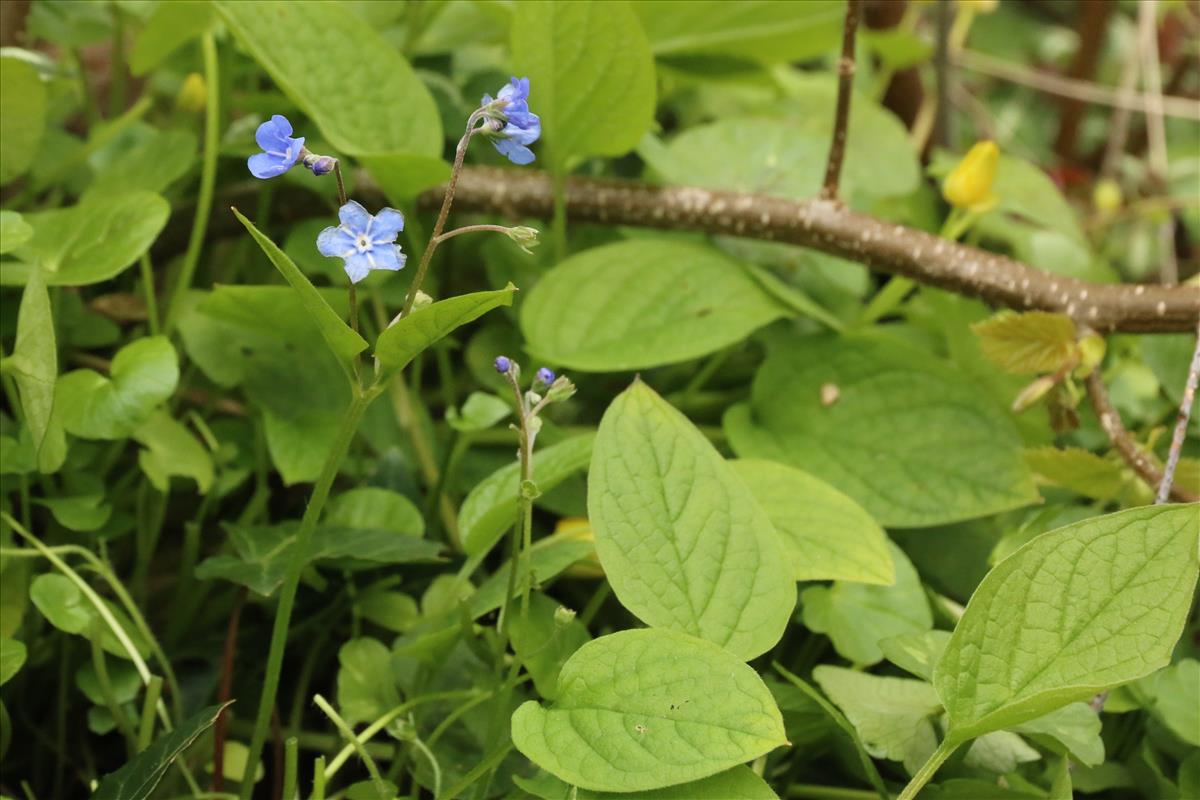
[1181, 423]
[1134, 455]
[832, 228]
[225, 692]
[1093, 23]
[841, 120]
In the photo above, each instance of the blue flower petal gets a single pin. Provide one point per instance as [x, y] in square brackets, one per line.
[282, 124]
[514, 152]
[387, 257]
[386, 226]
[357, 266]
[265, 165]
[354, 217]
[336, 242]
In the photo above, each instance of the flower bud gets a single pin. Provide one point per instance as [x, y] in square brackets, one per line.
[1106, 196]
[193, 95]
[561, 389]
[1032, 393]
[969, 184]
[422, 300]
[563, 617]
[526, 238]
[502, 364]
[545, 376]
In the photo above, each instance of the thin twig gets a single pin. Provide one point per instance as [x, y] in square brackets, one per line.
[225, 692]
[841, 120]
[832, 228]
[1181, 424]
[1131, 452]
[1156, 131]
[1182, 107]
[1118, 125]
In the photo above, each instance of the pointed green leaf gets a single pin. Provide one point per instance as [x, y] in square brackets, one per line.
[1074, 612]
[761, 30]
[827, 535]
[402, 342]
[23, 119]
[682, 540]
[34, 364]
[643, 303]
[342, 340]
[14, 231]
[1075, 726]
[591, 76]
[138, 778]
[348, 78]
[913, 440]
[643, 709]
[491, 507]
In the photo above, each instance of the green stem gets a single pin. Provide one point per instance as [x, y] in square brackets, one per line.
[208, 180]
[106, 690]
[318, 783]
[291, 765]
[151, 298]
[944, 751]
[363, 753]
[116, 67]
[146, 726]
[287, 593]
[90, 109]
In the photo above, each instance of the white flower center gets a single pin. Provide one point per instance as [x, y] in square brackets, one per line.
[363, 243]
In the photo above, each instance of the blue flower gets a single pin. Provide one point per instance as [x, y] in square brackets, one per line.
[545, 376]
[365, 242]
[512, 126]
[502, 364]
[280, 150]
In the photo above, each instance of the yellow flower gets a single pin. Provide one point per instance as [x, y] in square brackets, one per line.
[969, 184]
[580, 529]
[1106, 196]
[193, 94]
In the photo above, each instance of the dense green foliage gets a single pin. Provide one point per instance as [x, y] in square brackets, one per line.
[782, 526]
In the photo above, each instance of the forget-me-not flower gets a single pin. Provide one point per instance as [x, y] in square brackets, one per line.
[364, 241]
[280, 150]
[511, 125]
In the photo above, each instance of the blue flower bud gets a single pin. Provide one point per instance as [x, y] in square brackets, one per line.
[502, 364]
[545, 376]
[323, 165]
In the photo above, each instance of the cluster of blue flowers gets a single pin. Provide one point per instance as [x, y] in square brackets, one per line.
[366, 242]
[504, 364]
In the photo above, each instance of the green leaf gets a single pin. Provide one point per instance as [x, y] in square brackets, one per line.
[260, 560]
[138, 778]
[345, 343]
[894, 716]
[24, 116]
[123, 677]
[34, 365]
[12, 656]
[81, 512]
[66, 607]
[857, 616]
[491, 507]
[151, 166]
[1075, 726]
[14, 231]
[739, 783]
[172, 451]
[681, 539]
[826, 534]
[643, 709]
[401, 343]
[480, 412]
[544, 644]
[762, 31]
[89, 242]
[1074, 612]
[1000, 752]
[376, 507]
[1081, 471]
[144, 374]
[786, 157]
[547, 558]
[643, 303]
[393, 611]
[1028, 343]
[1174, 697]
[366, 689]
[170, 26]
[591, 76]
[910, 438]
[374, 545]
[917, 653]
[403, 176]
[353, 83]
